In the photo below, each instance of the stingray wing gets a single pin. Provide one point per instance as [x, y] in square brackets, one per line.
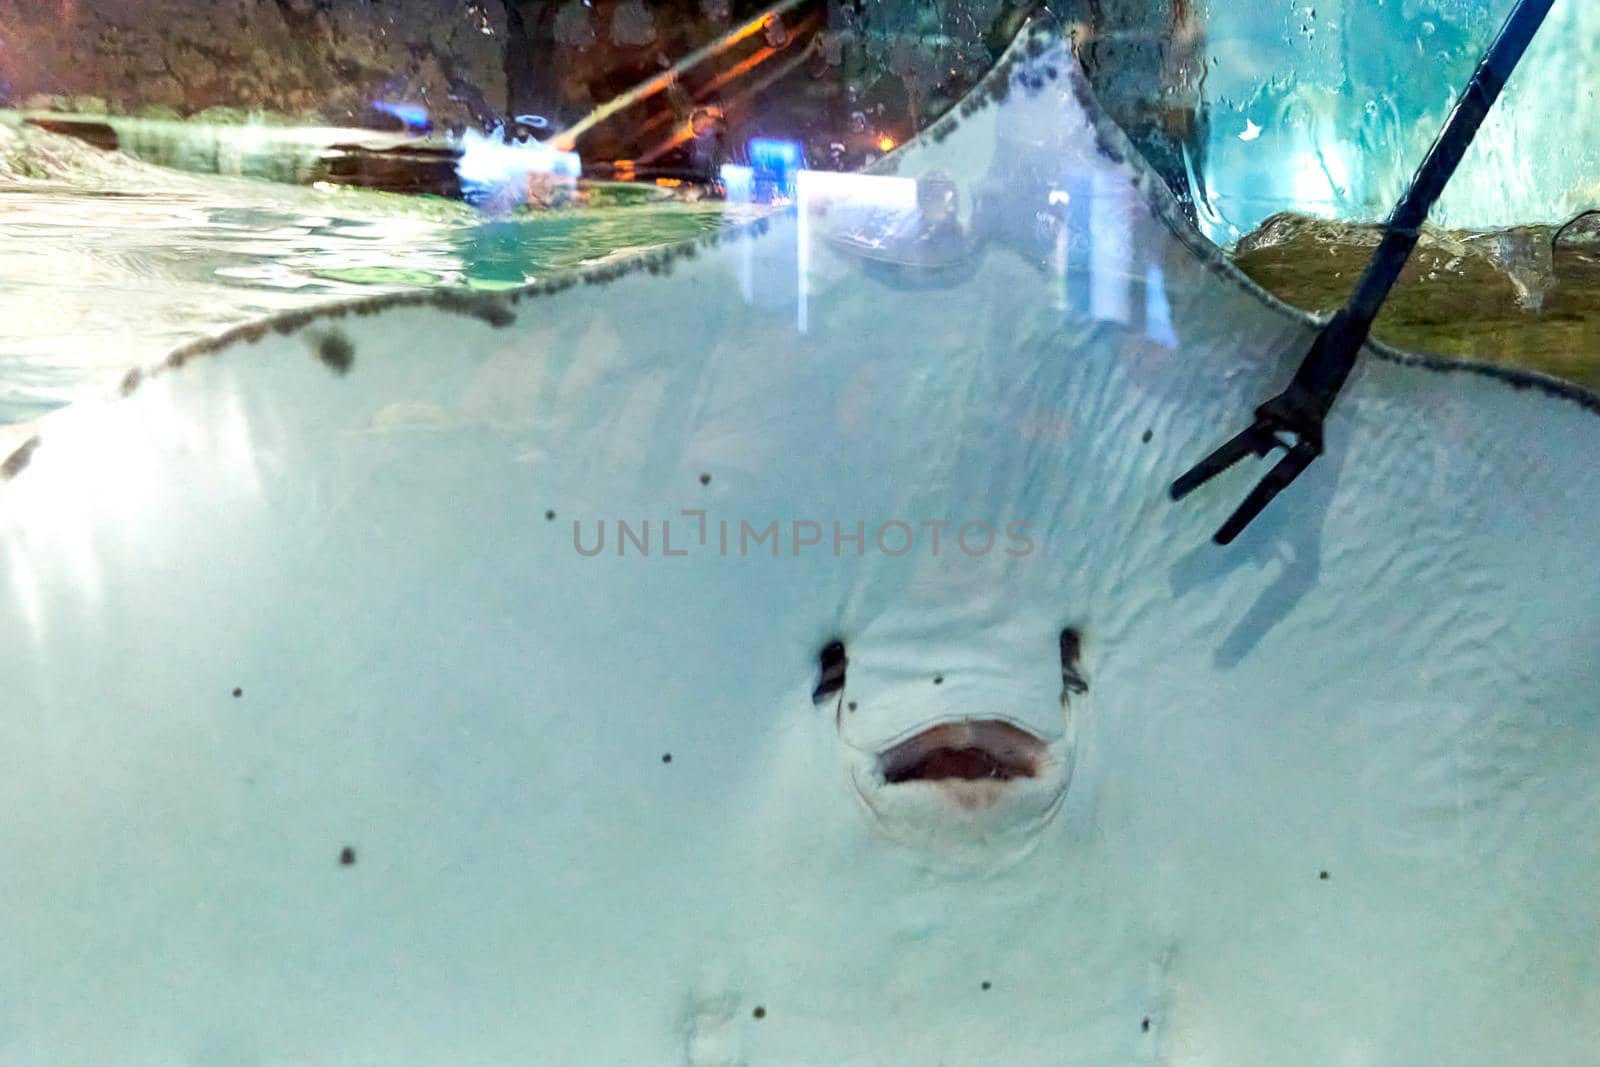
[337, 727]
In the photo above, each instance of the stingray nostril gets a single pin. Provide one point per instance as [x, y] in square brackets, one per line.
[1073, 682]
[832, 662]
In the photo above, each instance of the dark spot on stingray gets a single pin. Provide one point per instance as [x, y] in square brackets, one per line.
[478, 306]
[1073, 682]
[18, 461]
[705, 479]
[347, 857]
[832, 663]
[851, 705]
[938, 679]
[336, 352]
[1147, 436]
[760, 1012]
[549, 516]
[237, 692]
[985, 985]
[1323, 875]
[130, 381]
[1144, 1025]
[666, 757]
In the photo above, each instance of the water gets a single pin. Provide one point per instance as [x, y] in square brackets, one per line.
[106, 262]
[316, 713]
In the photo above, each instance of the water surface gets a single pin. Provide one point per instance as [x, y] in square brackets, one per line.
[106, 262]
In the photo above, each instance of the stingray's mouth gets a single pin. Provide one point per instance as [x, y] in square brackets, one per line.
[968, 751]
[965, 791]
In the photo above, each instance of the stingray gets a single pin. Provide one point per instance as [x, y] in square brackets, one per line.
[783, 649]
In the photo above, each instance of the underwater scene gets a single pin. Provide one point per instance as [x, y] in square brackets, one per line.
[826, 533]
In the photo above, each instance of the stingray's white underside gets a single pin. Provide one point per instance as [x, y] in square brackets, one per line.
[1332, 794]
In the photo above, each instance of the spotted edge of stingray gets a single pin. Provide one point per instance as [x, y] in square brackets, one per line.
[497, 308]
[1030, 43]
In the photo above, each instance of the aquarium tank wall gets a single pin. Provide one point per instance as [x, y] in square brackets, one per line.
[1327, 108]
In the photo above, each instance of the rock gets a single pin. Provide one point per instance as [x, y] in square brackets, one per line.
[632, 25]
[157, 113]
[293, 57]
